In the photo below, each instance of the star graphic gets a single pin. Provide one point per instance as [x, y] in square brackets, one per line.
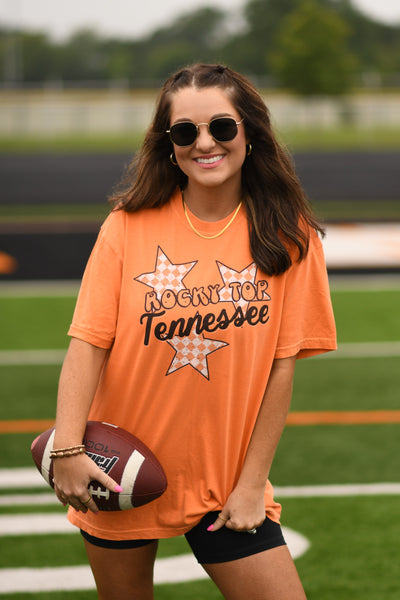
[240, 286]
[193, 350]
[166, 274]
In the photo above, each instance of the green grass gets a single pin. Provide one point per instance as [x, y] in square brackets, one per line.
[345, 137]
[353, 545]
[367, 316]
[195, 590]
[42, 322]
[35, 322]
[100, 143]
[333, 454]
[347, 384]
[94, 214]
[29, 392]
[363, 210]
[353, 540]
[342, 137]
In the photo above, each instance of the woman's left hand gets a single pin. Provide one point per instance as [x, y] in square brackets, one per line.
[244, 510]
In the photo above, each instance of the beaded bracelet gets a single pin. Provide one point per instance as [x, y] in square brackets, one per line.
[65, 452]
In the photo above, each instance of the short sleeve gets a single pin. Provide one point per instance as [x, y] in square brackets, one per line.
[307, 323]
[96, 311]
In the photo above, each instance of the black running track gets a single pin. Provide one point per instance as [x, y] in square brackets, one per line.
[60, 252]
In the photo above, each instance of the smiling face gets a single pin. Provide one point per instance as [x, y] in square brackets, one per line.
[207, 162]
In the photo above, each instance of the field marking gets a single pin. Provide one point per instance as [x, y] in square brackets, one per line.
[171, 569]
[337, 490]
[364, 350]
[10, 358]
[29, 500]
[69, 288]
[26, 425]
[343, 417]
[299, 418]
[29, 477]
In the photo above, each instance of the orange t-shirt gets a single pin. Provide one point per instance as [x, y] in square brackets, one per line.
[193, 327]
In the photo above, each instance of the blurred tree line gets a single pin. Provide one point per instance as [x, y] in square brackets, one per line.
[308, 46]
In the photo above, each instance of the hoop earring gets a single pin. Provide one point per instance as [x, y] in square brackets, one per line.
[249, 149]
[172, 158]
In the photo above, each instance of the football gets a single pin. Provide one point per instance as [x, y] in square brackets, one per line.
[119, 454]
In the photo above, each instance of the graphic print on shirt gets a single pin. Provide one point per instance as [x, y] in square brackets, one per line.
[185, 334]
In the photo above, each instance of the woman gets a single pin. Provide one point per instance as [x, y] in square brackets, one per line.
[206, 283]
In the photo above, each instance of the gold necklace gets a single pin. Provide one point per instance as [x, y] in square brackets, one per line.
[211, 237]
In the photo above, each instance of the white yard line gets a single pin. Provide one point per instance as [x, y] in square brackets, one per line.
[364, 350]
[55, 357]
[21, 478]
[39, 289]
[31, 357]
[29, 477]
[29, 500]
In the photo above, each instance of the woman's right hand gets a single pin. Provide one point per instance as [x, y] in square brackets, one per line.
[71, 478]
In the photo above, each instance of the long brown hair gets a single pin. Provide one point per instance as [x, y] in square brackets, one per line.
[277, 209]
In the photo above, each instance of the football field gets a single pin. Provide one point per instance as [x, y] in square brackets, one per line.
[336, 470]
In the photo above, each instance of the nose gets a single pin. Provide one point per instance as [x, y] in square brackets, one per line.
[204, 139]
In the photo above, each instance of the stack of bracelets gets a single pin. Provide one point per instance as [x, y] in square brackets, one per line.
[65, 452]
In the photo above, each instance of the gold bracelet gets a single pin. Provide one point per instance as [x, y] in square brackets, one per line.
[70, 451]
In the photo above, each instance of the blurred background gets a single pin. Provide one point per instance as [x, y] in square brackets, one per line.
[77, 89]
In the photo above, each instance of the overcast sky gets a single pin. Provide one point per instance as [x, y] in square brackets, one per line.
[131, 18]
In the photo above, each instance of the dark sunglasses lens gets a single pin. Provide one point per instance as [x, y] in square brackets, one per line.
[183, 134]
[224, 129]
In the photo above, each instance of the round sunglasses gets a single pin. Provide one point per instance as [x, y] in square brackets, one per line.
[222, 129]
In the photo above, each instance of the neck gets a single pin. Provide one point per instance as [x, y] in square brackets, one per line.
[211, 204]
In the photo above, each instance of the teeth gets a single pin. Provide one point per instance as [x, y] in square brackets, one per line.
[208, 161]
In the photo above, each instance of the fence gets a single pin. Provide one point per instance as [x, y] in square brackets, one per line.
[52, 112]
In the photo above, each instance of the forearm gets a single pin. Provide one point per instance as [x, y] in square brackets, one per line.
[77, 385]
[269, 425]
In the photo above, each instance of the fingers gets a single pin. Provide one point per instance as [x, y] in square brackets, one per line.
[79, 503]
[231, 523]
[82, 500]
[219, 523]
[107, 482]
[73, 479]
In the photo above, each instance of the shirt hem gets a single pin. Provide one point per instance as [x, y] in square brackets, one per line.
[306, 348]
[90, 338]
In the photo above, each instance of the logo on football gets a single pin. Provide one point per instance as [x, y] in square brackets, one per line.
[119, 454]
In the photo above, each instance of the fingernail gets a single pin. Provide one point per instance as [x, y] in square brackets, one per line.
[118, 488]
[210, 528]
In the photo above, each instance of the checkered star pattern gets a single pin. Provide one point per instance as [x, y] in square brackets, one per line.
[231, 276]
[166, 275]
[193, 350]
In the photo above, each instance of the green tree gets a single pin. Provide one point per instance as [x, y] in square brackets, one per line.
[26, 56]
[82, 57]
[247, 51]
[377, 45]
[312, 56]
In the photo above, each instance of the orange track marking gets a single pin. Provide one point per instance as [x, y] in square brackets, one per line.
[26, 426]
[365, 417]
